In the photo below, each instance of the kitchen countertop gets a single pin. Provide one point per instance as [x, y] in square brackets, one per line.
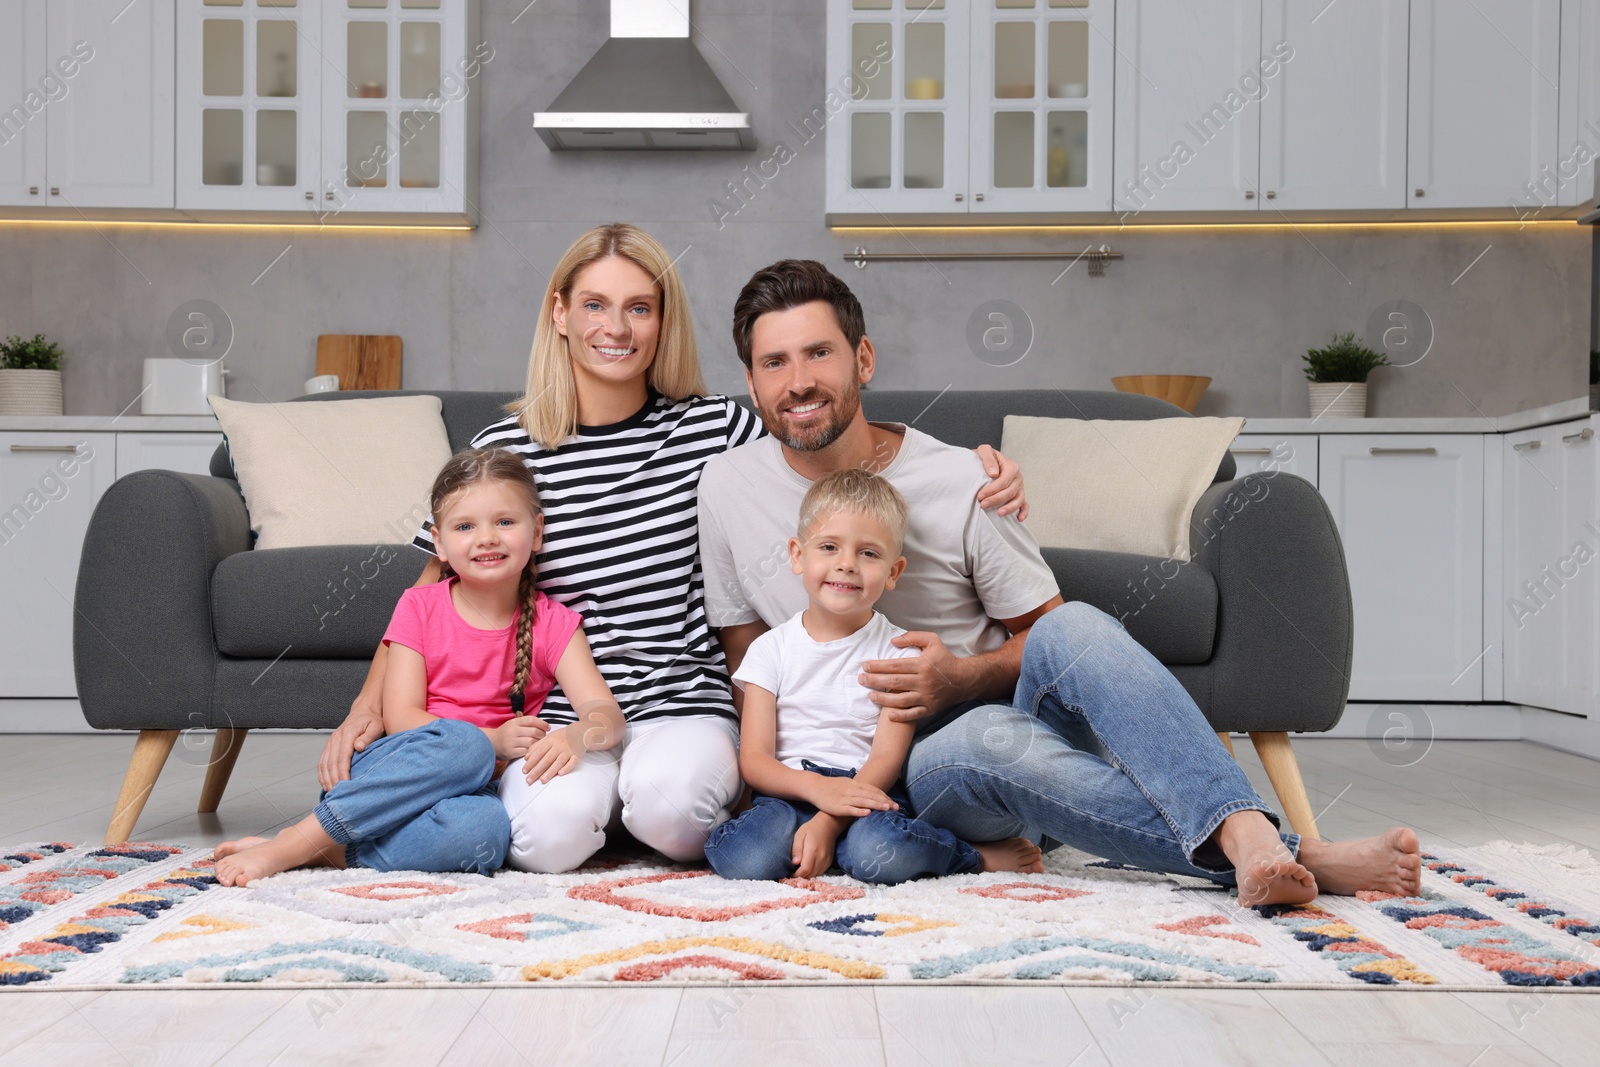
[111, 423]
[1565, 411]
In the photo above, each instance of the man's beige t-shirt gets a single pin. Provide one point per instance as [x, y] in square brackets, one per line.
[965, 568]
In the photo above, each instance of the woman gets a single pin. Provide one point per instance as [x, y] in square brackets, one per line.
[616, 425]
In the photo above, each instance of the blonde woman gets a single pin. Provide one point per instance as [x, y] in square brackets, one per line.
[616, 425]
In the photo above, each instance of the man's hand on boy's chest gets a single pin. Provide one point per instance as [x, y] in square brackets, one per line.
[914, 687]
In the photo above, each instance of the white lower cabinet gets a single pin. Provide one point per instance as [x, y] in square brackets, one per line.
[1266, 453]
[1550, 603]
[1409, 508]
[49, 484]
[186, 452]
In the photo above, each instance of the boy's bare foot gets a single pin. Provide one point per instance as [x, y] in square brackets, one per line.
[1265, 870]
[228, 848]
[1013, 854]
[306, 842]
[1388, 863]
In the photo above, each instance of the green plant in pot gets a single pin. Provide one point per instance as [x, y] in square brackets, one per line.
[1338, 377]
[30, 376]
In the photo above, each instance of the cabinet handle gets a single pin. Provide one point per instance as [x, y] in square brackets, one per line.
[55, 190]
[327, 196]
[33, 190]
[1429, 451]
[1251, 451]
[1582, 435]
[44, 448]
[1419, 192]
[960, 197]
[310, 195]
[1272, 194]
[1249, 194]
[979, 196]
[1526, 446]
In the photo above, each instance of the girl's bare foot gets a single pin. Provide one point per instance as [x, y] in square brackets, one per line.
[1388, 863]
[1263, 867]
[1013, 854]
[306, 842]
[228, 848]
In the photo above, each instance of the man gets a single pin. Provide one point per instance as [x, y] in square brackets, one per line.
[1035, 717]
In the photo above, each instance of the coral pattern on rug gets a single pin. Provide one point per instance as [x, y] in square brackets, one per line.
[153, 915]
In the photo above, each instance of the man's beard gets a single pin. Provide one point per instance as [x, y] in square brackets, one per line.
[814, 436]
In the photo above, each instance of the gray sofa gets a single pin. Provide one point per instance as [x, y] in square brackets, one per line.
[180, 625]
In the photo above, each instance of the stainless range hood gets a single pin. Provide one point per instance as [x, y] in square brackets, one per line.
[647, 87]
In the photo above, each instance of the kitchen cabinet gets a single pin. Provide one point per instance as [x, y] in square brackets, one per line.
[1484, 100]
[49, 485]
[1182, 142]
[1270, 453]
[1409, 509]
[1550, 603]
[1333, 123]
[189, 453]
[89, 87]
[968, 106]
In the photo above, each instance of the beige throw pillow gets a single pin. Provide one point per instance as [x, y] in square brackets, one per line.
[1116, 485]
[335, 472]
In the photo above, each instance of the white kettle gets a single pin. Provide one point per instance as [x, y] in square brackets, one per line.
[180, 387]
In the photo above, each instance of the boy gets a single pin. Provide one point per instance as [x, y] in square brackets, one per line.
[807, 724]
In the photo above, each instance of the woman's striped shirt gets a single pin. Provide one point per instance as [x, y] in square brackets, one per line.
[621, 548]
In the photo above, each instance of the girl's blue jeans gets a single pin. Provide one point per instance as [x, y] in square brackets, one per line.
[421, 800]
[886, 847]
[1101, 749]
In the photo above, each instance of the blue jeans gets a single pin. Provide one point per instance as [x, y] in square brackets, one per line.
[886, 847]
[420, 800]
[1102, 749]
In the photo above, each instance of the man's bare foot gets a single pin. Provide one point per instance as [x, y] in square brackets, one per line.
[1388, 863]
[1013, 854]
[1264, 868]
[228, 848]
[304, 843]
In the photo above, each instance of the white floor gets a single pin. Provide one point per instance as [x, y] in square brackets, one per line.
[1460, 792]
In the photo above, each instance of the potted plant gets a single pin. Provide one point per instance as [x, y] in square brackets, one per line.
[1338, 377]
[30, 376]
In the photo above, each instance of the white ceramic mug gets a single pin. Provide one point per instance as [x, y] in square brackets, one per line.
[323, 383]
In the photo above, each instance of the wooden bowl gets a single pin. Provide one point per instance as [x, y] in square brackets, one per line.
[1184, 390]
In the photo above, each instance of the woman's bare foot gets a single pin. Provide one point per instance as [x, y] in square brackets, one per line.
[1013, 854]
[228, 848]
[1264, 868]
[1388, 863]
[304, 843]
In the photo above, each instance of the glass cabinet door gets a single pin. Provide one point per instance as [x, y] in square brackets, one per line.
[248, 103]
[1042, 79]
[393, 126]
[896, 111]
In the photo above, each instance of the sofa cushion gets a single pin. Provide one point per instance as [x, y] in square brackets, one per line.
[1168, 607]
[329, 601]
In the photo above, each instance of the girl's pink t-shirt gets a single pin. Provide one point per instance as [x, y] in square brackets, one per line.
[470, 670]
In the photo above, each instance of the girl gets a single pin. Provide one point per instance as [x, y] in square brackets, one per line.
[468, 655]
[616, 423]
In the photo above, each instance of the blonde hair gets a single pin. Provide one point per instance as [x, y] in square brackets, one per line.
[548, 408]
[858, 492]
[472, 466]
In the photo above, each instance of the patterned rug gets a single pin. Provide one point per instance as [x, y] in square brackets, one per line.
[143, 915]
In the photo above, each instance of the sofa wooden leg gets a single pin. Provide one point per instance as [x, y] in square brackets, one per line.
[1277, 757]
[1227, 741]
[224, 753]
[149, 755]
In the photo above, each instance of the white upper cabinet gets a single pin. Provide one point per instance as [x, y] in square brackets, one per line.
[1190, 81]
[26, 92]
[1043, 75]
[88, 89]
[1333, 123]
[1484, 100]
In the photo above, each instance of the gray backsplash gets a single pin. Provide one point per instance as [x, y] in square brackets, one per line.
[1240, 305]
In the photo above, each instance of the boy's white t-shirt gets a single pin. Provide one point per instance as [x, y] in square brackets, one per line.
[825, 714]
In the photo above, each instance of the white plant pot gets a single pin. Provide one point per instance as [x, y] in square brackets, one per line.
[1338, 400]
[30, 392]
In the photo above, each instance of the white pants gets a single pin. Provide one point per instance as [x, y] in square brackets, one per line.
[670, 783]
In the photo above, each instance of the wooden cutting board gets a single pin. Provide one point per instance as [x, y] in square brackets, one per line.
[362, 361]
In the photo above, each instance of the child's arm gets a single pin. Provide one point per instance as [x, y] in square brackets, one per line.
[405, 690]
[600, 723]
[758, 763]
[814, 841]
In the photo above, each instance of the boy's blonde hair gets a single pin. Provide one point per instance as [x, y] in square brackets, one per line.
[548, 407]
[858, 492]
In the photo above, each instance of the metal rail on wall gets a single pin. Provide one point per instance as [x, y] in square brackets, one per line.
[1096, 257]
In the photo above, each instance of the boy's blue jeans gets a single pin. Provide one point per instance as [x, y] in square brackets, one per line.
[886, 847]
[421, 800]
[1101, 749]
